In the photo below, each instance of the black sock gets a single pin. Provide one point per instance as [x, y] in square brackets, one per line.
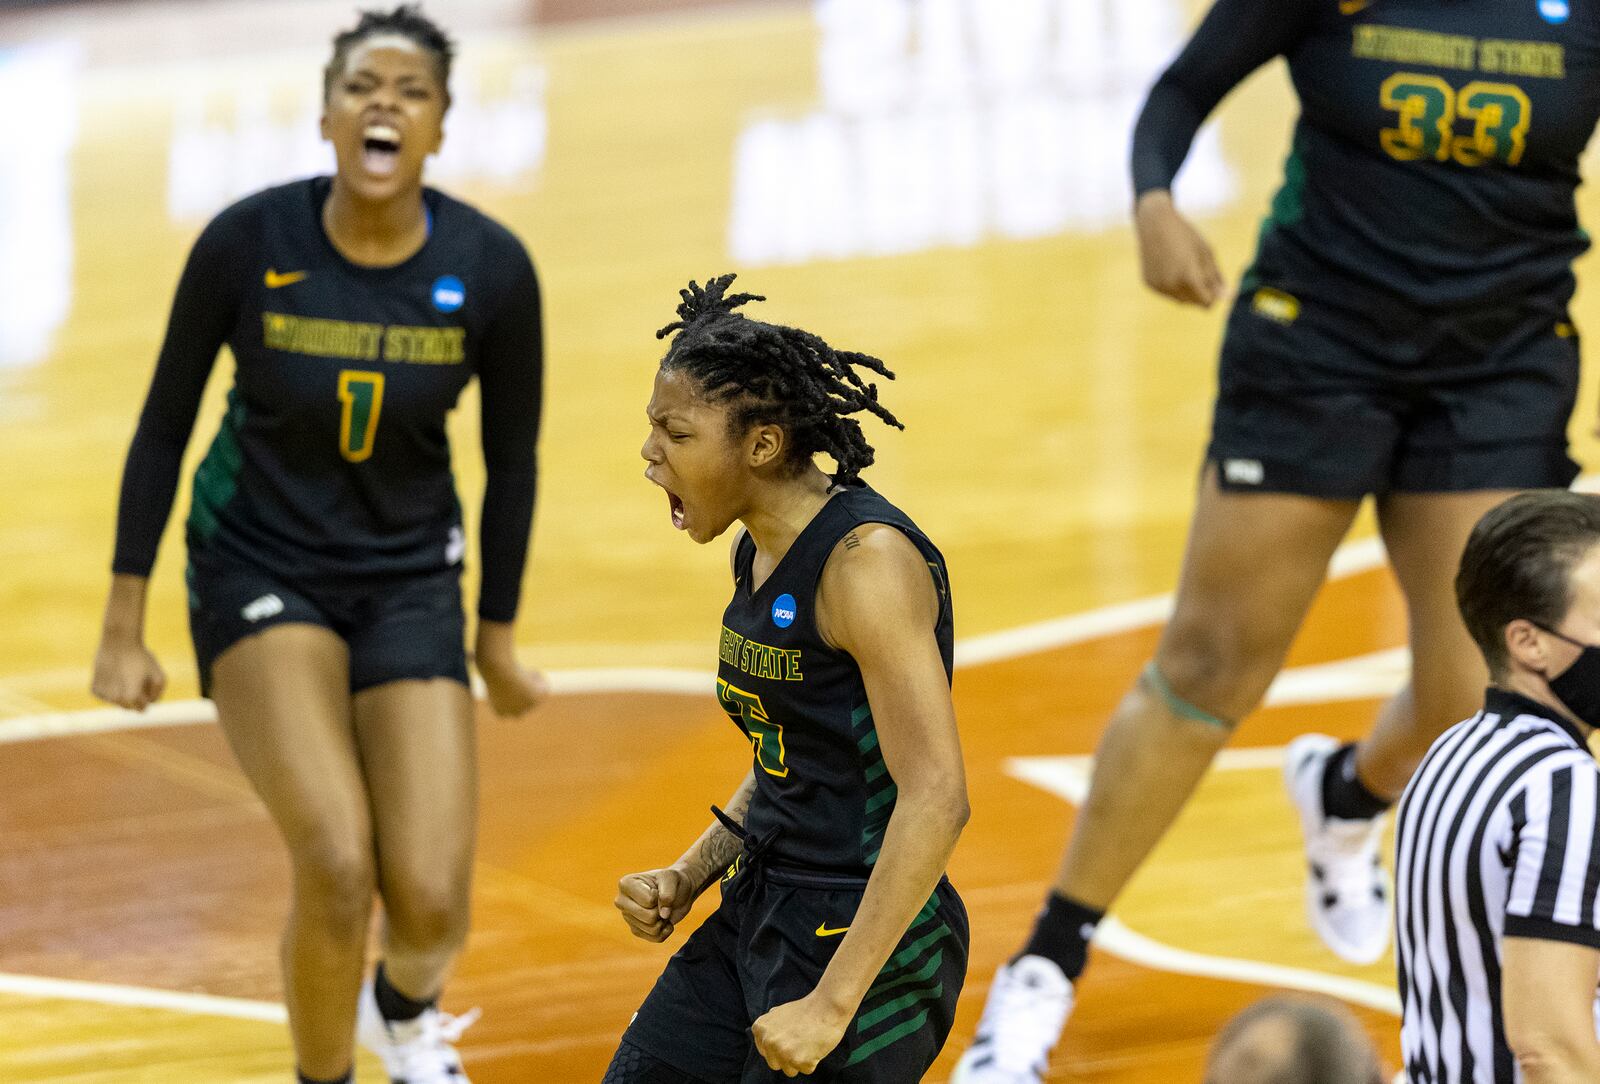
[1343, 794]
[348, 1078]
[392, 1004]
[1061, 933]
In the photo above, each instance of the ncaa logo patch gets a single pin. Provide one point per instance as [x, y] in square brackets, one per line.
[783, 611]
[1555, 11]
[448, 293]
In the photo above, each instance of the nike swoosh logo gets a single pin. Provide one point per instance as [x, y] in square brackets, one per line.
[1350, 7]
[823, 931]
[288, 278]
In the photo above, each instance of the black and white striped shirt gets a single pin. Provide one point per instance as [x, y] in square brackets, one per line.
[1496, 835]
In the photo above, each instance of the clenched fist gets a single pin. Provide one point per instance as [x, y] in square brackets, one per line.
[1175, 259]
[796, 1036]
[653, 903]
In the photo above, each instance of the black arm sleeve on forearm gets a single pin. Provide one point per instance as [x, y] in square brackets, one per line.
[1235, 38]
[511, 388]
[203, 312]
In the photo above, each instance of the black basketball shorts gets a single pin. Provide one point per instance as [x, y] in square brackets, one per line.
[766, 945]
[1338, 403]
[404, 627]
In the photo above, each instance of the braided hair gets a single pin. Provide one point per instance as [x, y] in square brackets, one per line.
[406, 21]
[776, 375]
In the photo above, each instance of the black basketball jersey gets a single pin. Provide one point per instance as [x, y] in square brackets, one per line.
[1436, 154]
[332, 461]
[821, 781]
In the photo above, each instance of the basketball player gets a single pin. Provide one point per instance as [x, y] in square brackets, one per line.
[839, 948]
[325, 537]
[1402, 332]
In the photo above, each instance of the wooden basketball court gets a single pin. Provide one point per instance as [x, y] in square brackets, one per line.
[943, 194]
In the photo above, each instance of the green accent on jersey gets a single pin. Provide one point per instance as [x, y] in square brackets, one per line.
[921, 974]
[909, 974]
[217, 478]
[880, 800]
[904, 957]
[890, 1008]
[1288, 206]
[894, 1035]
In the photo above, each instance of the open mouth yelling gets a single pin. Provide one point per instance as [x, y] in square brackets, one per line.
[380, 149]
[674, 502]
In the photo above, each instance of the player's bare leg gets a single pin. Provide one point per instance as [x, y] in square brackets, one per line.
[1254, 563]
[418, 747]
[1343, 790]
[1425, 534]
[283, 700]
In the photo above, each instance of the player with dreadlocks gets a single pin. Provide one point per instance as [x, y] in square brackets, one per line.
[839, 947]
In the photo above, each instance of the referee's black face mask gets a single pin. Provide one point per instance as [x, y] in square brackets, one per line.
[1578, 686]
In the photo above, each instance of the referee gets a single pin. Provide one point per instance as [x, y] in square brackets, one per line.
[1497, 871]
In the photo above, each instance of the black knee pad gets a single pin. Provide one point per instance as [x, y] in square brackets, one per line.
[633, 1065]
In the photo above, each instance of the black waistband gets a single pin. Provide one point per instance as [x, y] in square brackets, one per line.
[781, 873]
[756, 857]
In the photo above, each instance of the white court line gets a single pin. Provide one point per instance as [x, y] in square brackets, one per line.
[1365, 677]
[1068, 778]
[1119, 940]
[1295, 686]
[62, 724]
[1350, 559]
[142, 997]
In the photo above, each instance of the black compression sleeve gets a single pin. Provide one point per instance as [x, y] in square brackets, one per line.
[203, 313]
[511, 387]
[1235, 38]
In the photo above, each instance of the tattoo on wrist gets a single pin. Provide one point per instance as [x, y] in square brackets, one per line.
[717, 854]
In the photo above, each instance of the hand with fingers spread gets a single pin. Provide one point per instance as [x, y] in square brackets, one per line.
[1174, 257]
[654, 902]
[795, 1037]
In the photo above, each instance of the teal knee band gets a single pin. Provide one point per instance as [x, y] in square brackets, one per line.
[1177, 704]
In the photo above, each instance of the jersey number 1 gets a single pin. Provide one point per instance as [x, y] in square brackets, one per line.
[361, 394]
[765, 736]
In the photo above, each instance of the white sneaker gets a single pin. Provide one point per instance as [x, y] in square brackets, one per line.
[1347, 890]
[1028, 1005]
[413, 1051]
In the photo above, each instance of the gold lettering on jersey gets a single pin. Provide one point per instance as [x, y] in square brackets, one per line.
[759, 660]
[1398, 45]
[1401, 46]
[348, 341]
[1532, 59]
[321, 338]
[425, 345]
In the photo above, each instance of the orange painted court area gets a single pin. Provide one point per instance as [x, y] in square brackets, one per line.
[1056, 413]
